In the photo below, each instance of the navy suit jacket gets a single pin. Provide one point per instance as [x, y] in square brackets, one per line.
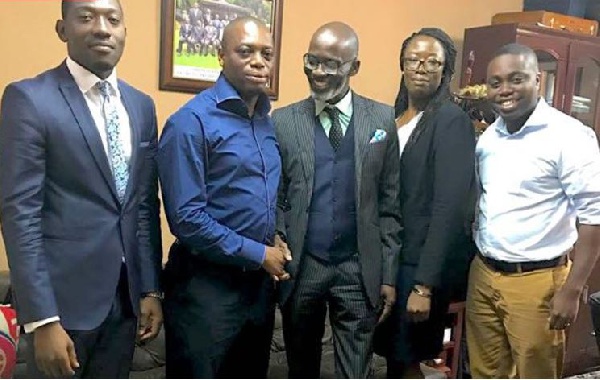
[64, 229]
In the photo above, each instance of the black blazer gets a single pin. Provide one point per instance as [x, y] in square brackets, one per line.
[437, 180]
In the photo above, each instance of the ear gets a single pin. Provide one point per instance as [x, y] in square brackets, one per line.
[221, 54]
[538, 80]
[59, 27]
[355, 68]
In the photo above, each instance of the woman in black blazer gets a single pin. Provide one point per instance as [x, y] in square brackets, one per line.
[437, 179]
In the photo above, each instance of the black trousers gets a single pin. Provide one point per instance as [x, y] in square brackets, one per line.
[105, 352]
[218, 321]
[339, 287]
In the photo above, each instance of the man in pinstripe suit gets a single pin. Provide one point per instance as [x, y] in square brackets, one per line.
[338, 210]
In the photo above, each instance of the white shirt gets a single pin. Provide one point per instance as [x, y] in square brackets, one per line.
[86, 82]
[406, 130]
[534, 184]
[344, 106]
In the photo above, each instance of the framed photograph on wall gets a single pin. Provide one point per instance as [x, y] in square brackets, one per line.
[191, 31]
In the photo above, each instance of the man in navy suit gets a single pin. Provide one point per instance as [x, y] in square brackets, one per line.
[79, 205]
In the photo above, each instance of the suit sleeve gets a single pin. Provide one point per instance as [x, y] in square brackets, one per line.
[149, 236]
[22, 175]
[182, 160]
[389, 206]
[454, 168]
[282, 201]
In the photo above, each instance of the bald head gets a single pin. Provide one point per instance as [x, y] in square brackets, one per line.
[246, 57]
[240, 26]
[338, 36]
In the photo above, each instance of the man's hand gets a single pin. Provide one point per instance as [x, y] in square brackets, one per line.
[275, 259]
[284, 247]
[151, 318]
[563, 309]
[54, 351]
[418, 306]
[388, 297]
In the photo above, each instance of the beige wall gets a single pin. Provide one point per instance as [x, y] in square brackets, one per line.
[29, 44]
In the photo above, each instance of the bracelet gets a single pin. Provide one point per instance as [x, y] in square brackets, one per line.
[158, 295]
[421, 293]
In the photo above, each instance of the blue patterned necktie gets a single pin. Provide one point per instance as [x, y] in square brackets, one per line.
[116, 153]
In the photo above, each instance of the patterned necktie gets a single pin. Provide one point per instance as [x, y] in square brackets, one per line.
[335, 132]
[116, 154]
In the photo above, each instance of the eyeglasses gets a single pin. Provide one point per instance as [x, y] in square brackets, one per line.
[431, 65]
[329, 66]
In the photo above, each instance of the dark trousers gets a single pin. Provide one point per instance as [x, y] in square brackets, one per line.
[339, 287]
[106, 351]
[218, 322]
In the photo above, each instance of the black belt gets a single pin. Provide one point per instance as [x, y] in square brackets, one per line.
[527, 266]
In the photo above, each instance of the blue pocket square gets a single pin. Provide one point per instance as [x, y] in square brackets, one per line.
[378, 136]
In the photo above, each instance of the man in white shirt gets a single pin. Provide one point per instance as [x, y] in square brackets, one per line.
[79, 205]
[539, 174]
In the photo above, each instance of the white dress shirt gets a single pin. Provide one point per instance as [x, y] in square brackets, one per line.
[535, 184]
[86, 82]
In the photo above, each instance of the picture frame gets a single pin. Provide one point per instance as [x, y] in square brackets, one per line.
[189, 53]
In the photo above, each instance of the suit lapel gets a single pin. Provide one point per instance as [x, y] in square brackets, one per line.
[305, 127]
[135, 137]
[362, 134]
[81, 112]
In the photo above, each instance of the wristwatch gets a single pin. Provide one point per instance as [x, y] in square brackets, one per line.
[421, 293]
[159, 295]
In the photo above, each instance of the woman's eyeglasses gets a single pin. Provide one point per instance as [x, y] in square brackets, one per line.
[431, 65]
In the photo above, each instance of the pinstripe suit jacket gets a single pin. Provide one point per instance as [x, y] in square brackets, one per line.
[377, 166]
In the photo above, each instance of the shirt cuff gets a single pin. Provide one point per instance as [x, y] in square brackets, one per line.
[30, 327]
[253, 251]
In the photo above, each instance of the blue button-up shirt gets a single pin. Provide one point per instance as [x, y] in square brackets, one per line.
[219, 171]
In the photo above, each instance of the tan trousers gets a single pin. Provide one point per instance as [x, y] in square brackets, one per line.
[507, 323]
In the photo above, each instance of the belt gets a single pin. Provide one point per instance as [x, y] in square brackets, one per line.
[527, 266]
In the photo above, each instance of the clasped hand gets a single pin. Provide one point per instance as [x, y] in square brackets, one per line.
[276, 258]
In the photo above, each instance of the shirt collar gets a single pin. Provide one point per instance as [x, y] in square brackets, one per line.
[538, 118]
[344, 105]
[229, 99]
[86, 80]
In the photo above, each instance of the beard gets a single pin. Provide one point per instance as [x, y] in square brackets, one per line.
[335, 89]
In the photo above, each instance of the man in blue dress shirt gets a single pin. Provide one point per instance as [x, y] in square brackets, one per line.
[219, 168]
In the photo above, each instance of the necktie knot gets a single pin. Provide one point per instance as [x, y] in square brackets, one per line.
[104, 88]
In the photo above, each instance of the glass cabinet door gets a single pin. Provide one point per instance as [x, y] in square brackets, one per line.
[583, 84]
[552, 54]
[548, 76]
